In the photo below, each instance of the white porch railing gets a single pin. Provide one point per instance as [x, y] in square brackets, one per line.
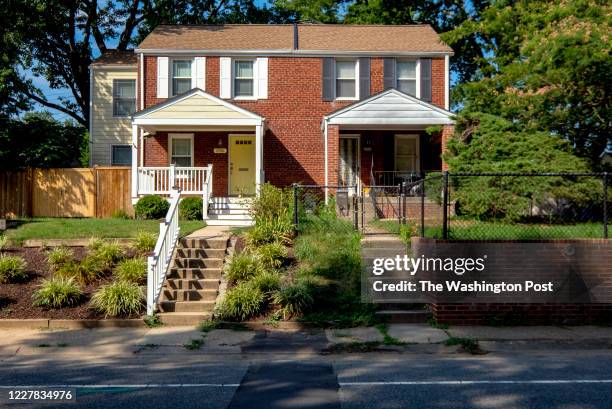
[161, 180]
[159, 262]
[208, 186]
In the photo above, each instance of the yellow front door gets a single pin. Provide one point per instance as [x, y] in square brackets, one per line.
[242, 164]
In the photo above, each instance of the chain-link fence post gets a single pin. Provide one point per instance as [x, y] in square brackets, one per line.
[356, 209]
[605, 204]
[445, 206]
[423, 206]
[295, 208]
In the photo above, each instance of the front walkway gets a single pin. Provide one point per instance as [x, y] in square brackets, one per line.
[209, 232]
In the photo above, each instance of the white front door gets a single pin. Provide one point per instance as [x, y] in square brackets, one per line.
[349, 160]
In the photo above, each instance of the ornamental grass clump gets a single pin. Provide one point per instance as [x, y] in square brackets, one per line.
[243, 266]
[144, 242]
[12, 268]
[242, 302]
[109, 253]
[84, 272]
[58, 292]
[271, 255]
[132, 270]
[294, 300]
[59, 256]
[118, 299]
[267, 282]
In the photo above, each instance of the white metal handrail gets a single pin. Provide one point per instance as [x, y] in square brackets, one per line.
[159, 262]
[154, 180]
[207, 191]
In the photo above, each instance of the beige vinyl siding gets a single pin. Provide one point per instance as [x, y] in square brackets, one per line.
[196, 106]
[107, 130]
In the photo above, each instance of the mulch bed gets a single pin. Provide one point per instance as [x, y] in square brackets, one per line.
[16, 298]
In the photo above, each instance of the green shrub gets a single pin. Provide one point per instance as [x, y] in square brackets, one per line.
[12, 268]
[151, 207]
[85, 271]
[190, 208]
[242, 302]
[3, 242]
[94, 243]
[267, 281]
[272, 255]
[144, 242]
[294, 299]
[59, 256]
[243, 266]
[109, 253]
[133, 270]
[120, 214]
[272, 203]
[120, 298]
[58, 292]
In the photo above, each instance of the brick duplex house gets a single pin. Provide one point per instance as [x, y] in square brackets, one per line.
[219, 109]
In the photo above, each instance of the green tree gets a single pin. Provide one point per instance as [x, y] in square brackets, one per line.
[40, 141]
[547, 69]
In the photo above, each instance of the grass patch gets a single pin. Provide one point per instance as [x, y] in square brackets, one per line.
[73, 228]
[469, 345]
[12, 268]
[388, 339]
[207, 326]
[469, 229]
[435, 324]
[133, 270]
[58, 292]
[119, 298]
[153, 321]
[194, 344]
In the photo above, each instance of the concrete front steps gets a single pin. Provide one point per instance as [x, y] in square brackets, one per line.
[229, 211]
[384, 245]
[192, 285]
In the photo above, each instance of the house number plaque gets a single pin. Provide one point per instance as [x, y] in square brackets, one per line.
[220, 150]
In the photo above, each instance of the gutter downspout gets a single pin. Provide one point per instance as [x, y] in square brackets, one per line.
[90, 117]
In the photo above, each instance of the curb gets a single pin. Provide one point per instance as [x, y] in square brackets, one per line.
[263, 325]
[44, 323]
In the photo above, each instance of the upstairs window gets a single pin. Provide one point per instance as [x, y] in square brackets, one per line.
[244, 79]
[407, 76]
[181, 76]
[346, 79]
[124, 97]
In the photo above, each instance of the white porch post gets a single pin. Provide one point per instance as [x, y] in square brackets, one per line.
[325, 150]
[134, 163]
[258, 157]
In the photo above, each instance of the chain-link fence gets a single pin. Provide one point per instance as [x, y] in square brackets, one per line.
[520, 206]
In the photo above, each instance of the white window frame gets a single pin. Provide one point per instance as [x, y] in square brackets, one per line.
[121, 145]
[172, 77]
[417, 75]
[253, 78]
[171, 138]
[356, 97]
[417, 162]
[115, 80]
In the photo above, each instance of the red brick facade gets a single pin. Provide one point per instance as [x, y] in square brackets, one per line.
[293, 142]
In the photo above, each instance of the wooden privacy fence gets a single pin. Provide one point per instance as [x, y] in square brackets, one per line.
[65, 192]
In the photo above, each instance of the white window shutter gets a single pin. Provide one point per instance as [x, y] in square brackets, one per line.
[262, 78]
[162, 77]
[225, 68]
[198, 78]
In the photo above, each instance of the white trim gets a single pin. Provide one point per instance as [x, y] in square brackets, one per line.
[198, 79]
[387, 122]
[163, 68]
[400, 136]
[447, 82]
[325, 124]
[135, 162]
[262, 78]
[91, 115]
[225, 77]
[139, 116]
[357, 137]
[198, 122]
[126, 67]
[229, 158]
[142, 96]
[418, 78]
[292, 52]
[172, 137]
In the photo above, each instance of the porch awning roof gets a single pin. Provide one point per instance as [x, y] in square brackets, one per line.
[195, 108]
[391, 107]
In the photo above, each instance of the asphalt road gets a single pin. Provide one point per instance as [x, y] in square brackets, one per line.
[556, 379]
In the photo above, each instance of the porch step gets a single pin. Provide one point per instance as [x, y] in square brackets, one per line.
[187, 306]
[194, 273]
[228, 210]
[189, 295]
[234, 201]
[190, 284]
[198, 262]
[399, 316]
[201, 243]
[184, 318]
[231, 222]
[200, 253]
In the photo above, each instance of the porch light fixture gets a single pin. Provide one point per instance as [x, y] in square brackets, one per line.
[220, 142]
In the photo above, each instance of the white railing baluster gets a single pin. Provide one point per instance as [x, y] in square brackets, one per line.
[159, 263]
